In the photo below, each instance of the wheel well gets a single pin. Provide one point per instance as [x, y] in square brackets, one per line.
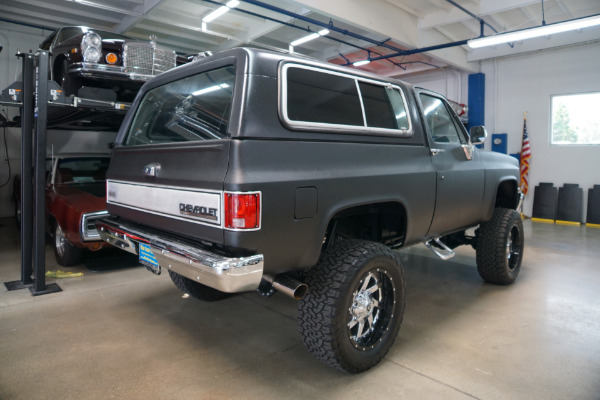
[56, 66]
[50, 224]
[381, 222]
[507, 195]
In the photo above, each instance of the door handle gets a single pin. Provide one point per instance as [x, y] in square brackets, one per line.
[435, 152]
[152, 169]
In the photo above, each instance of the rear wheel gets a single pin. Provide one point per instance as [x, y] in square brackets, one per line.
[353, 310]
[500, 244]
[196, 289]
[66, 254]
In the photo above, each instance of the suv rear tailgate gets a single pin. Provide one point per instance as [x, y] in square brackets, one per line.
[171, 187]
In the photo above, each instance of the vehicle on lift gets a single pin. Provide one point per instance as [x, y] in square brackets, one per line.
[257, 170]
[105, 65]
[75, 198]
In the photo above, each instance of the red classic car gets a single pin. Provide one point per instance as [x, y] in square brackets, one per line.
[75, 198]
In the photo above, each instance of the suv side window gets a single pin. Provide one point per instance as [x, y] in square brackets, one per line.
[384, 107]
[442, 126]
[318, 99]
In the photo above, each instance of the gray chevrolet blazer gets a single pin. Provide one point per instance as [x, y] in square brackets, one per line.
[252, 170]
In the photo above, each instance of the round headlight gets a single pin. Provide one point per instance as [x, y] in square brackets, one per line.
[91, 54]
[91, 47]
[91, 39]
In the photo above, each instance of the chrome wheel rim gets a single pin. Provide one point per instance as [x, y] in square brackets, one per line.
[371, 309]
[513, 248]
[59, 241]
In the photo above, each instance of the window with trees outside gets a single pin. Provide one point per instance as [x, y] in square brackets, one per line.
[575, 119]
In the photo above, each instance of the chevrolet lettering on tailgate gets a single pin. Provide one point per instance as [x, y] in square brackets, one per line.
[198, 211]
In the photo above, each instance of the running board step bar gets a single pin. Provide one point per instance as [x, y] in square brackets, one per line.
[440, 249]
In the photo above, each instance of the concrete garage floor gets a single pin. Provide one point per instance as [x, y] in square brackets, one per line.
[120, 332]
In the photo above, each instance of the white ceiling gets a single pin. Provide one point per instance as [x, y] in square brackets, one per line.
[401, 24]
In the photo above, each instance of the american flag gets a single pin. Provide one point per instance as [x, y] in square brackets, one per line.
[525, 157]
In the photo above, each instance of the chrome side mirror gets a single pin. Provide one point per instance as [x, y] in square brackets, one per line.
[477, 135]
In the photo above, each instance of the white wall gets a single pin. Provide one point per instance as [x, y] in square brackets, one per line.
[448, 82]
[525, 83]
[13, 38]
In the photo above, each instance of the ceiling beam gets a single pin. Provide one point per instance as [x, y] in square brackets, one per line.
[141, 10]
[168, 32]
[65, 10]
[43, 19]
[343, 48]
[455, 56]
[409, 9]
[528, 14]
[472, 26]
[258, 30]
[486, 7]
[497, 22]
[104, 7]
[32, 22]
[378, 16]
[564, 9]
[184, 23]
[398, 25]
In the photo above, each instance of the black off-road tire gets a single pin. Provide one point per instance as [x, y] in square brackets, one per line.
[66, 254]
[500, 245]
[352, 276]
[196, 289]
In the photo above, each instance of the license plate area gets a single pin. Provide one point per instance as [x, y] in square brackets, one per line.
[148, 260]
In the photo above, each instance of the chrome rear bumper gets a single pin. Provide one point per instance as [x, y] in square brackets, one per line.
[219, 272]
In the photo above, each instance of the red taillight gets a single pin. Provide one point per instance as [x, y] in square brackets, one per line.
[242, 210]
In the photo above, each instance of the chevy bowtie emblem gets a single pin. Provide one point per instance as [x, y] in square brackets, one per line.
[152, 169]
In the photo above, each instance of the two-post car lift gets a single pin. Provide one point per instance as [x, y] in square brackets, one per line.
[35, 95]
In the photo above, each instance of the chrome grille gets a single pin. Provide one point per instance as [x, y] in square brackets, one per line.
[147, 59]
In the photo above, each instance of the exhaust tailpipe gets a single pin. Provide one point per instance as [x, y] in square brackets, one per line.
[288, 286]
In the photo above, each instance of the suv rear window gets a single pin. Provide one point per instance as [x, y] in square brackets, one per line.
[313, 98]
[190, 109]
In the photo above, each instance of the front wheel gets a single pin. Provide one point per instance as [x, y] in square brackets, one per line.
[66, 254]
[353, 310]
[500, 245]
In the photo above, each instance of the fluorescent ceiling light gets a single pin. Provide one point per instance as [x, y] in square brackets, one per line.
[220, 11]
[359, 63]
[310, 37]
[544, 30]
[210, 89]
